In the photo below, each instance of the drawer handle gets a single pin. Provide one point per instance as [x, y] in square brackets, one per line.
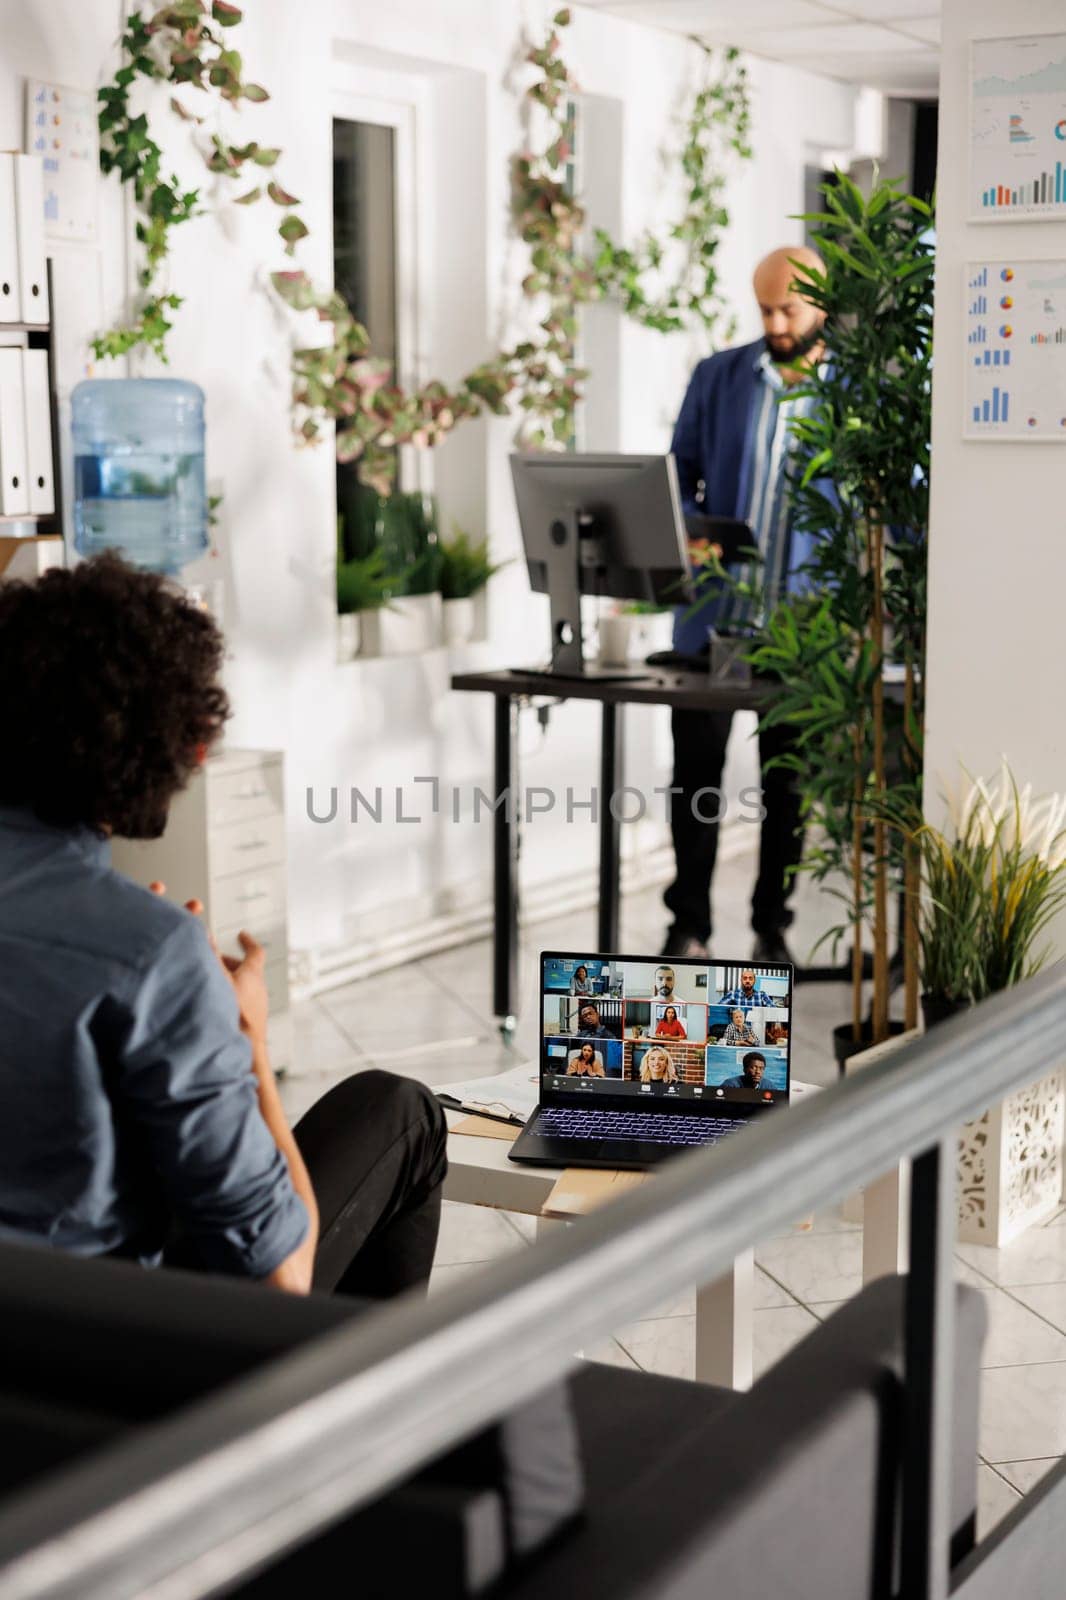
[253, 844]
[250, 794]
[259, 894]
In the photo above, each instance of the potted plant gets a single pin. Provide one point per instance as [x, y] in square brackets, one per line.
[465, 569]
[861, 487]
[990, 888]
[406, 535]
[362, 586]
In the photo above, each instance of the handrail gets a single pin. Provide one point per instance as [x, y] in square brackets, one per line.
[238, 1478]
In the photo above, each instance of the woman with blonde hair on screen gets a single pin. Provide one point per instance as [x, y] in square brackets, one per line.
[658, 1068]
[585, 1063]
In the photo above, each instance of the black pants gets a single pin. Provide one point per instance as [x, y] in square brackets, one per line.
[700, 739]
[375, 1150]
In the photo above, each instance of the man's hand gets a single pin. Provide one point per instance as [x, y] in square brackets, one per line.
[246, 973]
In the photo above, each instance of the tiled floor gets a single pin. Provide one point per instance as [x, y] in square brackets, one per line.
[448, 1033]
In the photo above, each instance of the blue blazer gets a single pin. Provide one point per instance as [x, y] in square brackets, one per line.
[713, 442]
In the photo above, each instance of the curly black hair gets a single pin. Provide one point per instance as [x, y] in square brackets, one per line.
[108, 686]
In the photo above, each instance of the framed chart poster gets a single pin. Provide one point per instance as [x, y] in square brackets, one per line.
[1018, 128]
[1015, 350]
[61, 129]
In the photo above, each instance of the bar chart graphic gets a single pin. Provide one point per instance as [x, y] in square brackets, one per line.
[1015, 384]
[979, 306]
[1017, 106]
[995, 408]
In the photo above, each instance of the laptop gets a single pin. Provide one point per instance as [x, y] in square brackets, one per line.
[641, 1059]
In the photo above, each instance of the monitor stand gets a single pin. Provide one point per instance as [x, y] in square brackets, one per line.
[572, 545]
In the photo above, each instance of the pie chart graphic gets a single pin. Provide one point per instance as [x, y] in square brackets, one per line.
[1006, 331]
[1060, 130]
[1006, 303]
[1032, 422]
[1007, 274]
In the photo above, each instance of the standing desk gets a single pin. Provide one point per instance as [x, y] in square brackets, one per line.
[687, 691]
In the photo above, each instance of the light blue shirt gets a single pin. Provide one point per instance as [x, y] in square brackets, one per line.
[768, 510]
[128, 1105]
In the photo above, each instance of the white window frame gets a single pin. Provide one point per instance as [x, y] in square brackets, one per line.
[400, 101]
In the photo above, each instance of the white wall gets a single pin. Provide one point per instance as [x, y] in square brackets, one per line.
[997, 548]
[385, 722]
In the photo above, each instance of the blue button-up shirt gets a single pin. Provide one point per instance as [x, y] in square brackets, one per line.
[128, 1105]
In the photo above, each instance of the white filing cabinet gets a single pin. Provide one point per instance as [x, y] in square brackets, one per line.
[225, 845]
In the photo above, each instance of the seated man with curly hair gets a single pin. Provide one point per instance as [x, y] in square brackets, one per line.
[139, 1114]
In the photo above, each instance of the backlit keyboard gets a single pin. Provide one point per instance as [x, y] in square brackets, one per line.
[555, 1122]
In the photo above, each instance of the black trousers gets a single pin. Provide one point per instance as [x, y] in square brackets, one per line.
[375, 1149]
[700, 739]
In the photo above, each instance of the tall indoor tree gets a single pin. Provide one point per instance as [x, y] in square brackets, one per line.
[862, 485]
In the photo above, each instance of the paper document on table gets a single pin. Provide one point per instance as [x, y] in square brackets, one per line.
[516, 1091]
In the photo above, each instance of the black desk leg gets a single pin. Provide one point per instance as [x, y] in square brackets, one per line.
[612, 767]
[505, 868]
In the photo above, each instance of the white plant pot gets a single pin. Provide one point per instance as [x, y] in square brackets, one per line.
[1009, 1173]
[1010, 1164]
[459, 620]
[407, 626]
[616, 639]
[348, 636]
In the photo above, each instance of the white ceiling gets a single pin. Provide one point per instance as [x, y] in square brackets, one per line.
[890, 44]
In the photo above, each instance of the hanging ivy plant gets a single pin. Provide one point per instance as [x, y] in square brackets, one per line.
[183, 43]
[663, 285]
[341, 383]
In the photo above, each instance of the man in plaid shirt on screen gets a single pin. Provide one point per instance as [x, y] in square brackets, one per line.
[747, 996]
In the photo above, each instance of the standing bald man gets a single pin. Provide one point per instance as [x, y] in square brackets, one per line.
[731, 444]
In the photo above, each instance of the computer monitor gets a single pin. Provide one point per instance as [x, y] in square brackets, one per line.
[599, 525]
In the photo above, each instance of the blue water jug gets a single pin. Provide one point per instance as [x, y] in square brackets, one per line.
[139, 484]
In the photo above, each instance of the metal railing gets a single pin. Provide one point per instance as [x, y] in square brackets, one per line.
[231, 1482]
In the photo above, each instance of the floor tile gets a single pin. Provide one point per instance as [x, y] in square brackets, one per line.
[1048, 1299]
[611, 1354]
[995, 1499]
[446, 1277]
[318, 1043]
[1025, 1475]
[1017, 1335]
[1023, 1412]
[473, 1233]
[815, 1266]
[667, 1345]
[1039, 1256]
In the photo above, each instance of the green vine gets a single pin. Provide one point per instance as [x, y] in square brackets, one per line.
[183, 43]
[664, 286]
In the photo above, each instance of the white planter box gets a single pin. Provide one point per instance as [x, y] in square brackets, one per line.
[459, 620]
[348, 636]
[407, 626]
[1010, 1168]
[1009, 1174]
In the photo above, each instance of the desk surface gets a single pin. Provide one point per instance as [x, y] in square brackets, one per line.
[662, 687]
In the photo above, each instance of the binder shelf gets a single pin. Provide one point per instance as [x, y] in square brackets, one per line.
[30, 495]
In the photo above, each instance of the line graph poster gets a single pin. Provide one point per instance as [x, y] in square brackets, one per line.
[1015, 350]
[1018, 128]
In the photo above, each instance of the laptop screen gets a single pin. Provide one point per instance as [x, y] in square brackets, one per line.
[707, 1031]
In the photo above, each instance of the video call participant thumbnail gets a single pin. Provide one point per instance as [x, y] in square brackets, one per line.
[590, 1024]
[658, 1069]
[669, 1025]
[739, 1031]
[586, 1062]
[760, 1069]
[747, 994]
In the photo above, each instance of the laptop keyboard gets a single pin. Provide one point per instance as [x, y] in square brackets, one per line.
[556, 1122]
